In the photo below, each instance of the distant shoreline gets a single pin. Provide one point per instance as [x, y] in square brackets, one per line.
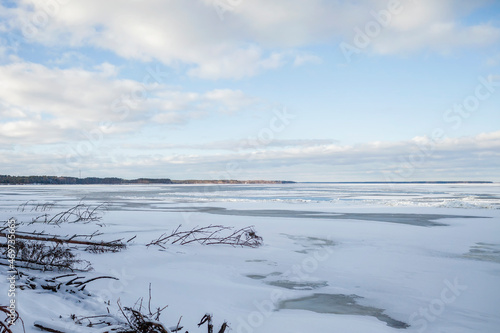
[55, 180]
[411, 182]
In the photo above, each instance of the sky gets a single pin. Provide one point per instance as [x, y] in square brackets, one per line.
[302, 90]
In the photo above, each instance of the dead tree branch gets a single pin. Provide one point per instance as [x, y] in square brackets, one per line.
[211, 235]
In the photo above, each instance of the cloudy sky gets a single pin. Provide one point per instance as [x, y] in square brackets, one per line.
[304, 90]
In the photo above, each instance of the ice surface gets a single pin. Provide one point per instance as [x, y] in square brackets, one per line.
[422, 255]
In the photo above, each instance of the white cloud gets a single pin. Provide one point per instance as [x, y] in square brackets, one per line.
[237, 145]
[60, 98]
[230, 100]
[253, 37]
[238, 63]
[177, 107]
[169, 31]
[424, 25]
[442, 37]
[39, 104]
[71, 58]
[170, 118]
[362, 156]
[302, 59]
[475, 157]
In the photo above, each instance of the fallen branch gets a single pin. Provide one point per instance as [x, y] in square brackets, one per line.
[68, 240]
[43, 256]
[210, 235]
[46, 329]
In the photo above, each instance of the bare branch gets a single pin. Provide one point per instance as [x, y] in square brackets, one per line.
[211, 235]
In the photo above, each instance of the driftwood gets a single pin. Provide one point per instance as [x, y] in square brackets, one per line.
[80, 285]
[211, 235]
[47, 329]
[67, 240]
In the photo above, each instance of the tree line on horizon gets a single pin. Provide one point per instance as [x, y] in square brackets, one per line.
[57, 180]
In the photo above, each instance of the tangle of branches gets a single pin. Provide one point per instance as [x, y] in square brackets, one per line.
[80, 213]
[47, 257]
[211, 235]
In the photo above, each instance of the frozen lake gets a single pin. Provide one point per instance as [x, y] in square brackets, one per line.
[336, 257]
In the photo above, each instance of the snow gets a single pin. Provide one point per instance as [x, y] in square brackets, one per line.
[443, 277]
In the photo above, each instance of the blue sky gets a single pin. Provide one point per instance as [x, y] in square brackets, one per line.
[298, 90]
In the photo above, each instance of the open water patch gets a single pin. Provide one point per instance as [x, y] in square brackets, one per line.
[422, 220]
[341, 305]
[294, 285]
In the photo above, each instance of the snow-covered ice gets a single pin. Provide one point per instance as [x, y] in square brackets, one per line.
[336, 257]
